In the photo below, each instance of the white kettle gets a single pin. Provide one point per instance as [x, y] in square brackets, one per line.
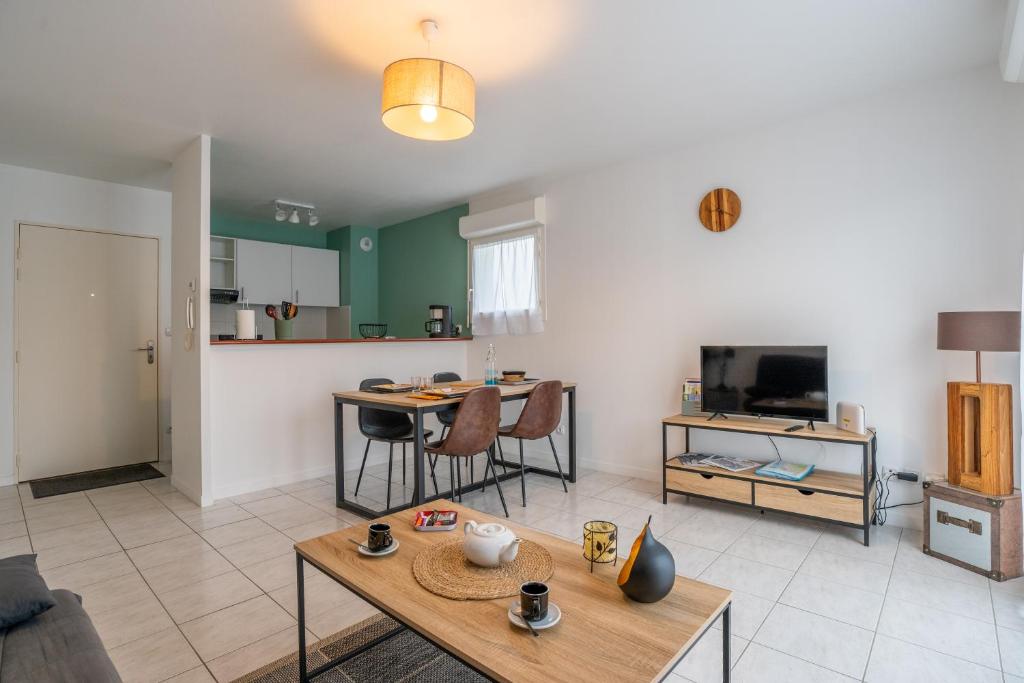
[489, 545]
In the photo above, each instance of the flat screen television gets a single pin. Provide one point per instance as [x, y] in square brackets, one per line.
[772, 381]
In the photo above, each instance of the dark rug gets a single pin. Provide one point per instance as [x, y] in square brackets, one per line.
[97, 479]
[404, 658]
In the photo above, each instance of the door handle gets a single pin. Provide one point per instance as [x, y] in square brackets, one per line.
[150, 349]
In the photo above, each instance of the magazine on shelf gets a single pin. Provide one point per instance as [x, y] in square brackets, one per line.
[729, 463]
[790, 471]
[691, 458]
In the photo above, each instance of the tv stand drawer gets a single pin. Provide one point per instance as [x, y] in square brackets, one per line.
[811, 503]
[710, 485]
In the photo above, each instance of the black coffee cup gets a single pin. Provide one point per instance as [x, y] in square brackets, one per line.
[533, 600]
[379, 537]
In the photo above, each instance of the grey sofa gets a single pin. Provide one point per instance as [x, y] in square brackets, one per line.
[59, 645]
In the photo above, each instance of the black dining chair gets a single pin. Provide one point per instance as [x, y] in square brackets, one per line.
[474, 430]
[540, 417]
[387, 427]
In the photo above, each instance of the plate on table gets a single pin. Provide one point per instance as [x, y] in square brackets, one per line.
[553, 616]
[525, 380]
[380, 553]
[391, 388]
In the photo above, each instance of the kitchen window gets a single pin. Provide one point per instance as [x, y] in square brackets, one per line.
[506, 283]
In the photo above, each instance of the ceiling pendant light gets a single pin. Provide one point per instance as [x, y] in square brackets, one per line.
[428, 99]
[280, 214]
[294, 217]
[314, 220]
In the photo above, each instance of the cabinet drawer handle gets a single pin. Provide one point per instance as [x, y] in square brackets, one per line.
[706, 476]
[972, 525]
[805, 492]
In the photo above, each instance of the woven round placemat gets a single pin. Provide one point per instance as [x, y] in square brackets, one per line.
[444, 570]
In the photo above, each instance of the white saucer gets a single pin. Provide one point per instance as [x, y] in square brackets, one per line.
[380, 553]
[554, 616]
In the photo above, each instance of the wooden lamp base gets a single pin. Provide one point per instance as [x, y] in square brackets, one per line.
[980, 437]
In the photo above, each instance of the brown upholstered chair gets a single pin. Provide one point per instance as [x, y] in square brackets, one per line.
[540, 417]
[473, 431]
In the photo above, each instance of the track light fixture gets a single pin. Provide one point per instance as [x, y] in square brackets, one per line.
[285, 210]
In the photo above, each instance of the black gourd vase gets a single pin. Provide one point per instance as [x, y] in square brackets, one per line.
[650, 570]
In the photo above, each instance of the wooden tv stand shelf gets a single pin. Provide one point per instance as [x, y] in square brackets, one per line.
[838, 497]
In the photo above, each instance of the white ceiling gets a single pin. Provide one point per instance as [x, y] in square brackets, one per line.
[113, 89]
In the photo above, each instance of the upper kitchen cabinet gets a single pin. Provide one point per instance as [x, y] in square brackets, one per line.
[265, 272]
[315, 276]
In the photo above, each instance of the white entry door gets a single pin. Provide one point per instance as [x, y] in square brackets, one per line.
[86, 350]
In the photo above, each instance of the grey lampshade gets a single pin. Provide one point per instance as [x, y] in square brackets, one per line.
[979, 331]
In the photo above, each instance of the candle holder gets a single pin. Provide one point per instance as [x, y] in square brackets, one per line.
[599, 543]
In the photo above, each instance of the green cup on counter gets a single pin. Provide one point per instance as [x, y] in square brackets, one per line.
[284, 329]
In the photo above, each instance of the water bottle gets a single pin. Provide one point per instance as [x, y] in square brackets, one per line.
[490, 371]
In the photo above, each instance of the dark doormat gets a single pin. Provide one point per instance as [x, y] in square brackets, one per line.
[96, 479]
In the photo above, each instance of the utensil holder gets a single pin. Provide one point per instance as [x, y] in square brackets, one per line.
[284, 329]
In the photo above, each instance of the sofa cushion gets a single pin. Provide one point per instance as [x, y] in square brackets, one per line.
[59, 645]
[23, 593]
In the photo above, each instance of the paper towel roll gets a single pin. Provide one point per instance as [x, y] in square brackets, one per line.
[245, 324]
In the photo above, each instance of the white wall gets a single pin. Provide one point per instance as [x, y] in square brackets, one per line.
[272, 413]
[50, 198]
[190, 273]
[858, 225]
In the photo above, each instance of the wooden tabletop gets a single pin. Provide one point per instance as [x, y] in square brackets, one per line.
[602, 637]
[774, 427]
[404, 400]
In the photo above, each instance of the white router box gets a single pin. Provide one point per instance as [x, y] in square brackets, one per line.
[850, 417]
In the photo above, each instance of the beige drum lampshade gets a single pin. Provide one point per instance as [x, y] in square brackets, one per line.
[428, 99]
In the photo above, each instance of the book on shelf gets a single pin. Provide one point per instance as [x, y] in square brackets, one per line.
[790, 471]
[729, 463]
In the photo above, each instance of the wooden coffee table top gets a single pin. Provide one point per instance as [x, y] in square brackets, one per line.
[603, 636]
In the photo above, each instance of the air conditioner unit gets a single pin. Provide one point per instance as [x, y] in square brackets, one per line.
[521, 216]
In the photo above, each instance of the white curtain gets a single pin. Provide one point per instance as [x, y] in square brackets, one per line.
[506, 287]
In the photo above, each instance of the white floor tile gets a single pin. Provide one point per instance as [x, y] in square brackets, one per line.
[862, 574]
[711, 529]
[941, 631]
[896, 661]
[916, 561]
[760, 664]
[833, 600]
[1009, 609]
[690, 560]
[769, 551]
[154, 658]
[703, 664]
[826, 642]
[786, 528]
[737, 573]
[227, 630]
[850, 543]
[944, 594]
[747, 614]
[1011, 648]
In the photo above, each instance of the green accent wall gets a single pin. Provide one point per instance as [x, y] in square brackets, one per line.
[421, 262]
[358, 281]
[226, 225]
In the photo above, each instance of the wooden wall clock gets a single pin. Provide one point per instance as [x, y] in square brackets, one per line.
[720, 209]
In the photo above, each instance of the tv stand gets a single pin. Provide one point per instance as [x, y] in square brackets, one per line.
[839, 497]
[716, 414]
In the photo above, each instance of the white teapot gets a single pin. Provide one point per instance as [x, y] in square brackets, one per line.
[489, 545]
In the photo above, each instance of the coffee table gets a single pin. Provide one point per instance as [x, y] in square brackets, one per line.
[603, 636]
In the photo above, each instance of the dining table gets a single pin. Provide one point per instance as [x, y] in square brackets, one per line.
[417, 409]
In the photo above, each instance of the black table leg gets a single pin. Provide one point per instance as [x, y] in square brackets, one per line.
[664, 459]
[339, 452]
[419, 478]
[725, 644]
[300, 583]
[572, 435]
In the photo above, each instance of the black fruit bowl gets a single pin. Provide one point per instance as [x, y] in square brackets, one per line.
[373, 330]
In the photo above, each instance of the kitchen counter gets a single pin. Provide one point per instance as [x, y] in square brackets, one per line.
[258, 342]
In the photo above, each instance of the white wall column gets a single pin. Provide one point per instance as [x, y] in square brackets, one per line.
[190, 309]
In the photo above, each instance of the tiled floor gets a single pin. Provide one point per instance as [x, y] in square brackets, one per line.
[188, 594]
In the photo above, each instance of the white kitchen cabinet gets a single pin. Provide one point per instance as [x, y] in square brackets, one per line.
[264, 272]
[315, 276]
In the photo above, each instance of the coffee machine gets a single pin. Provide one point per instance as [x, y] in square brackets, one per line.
[440, 322]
